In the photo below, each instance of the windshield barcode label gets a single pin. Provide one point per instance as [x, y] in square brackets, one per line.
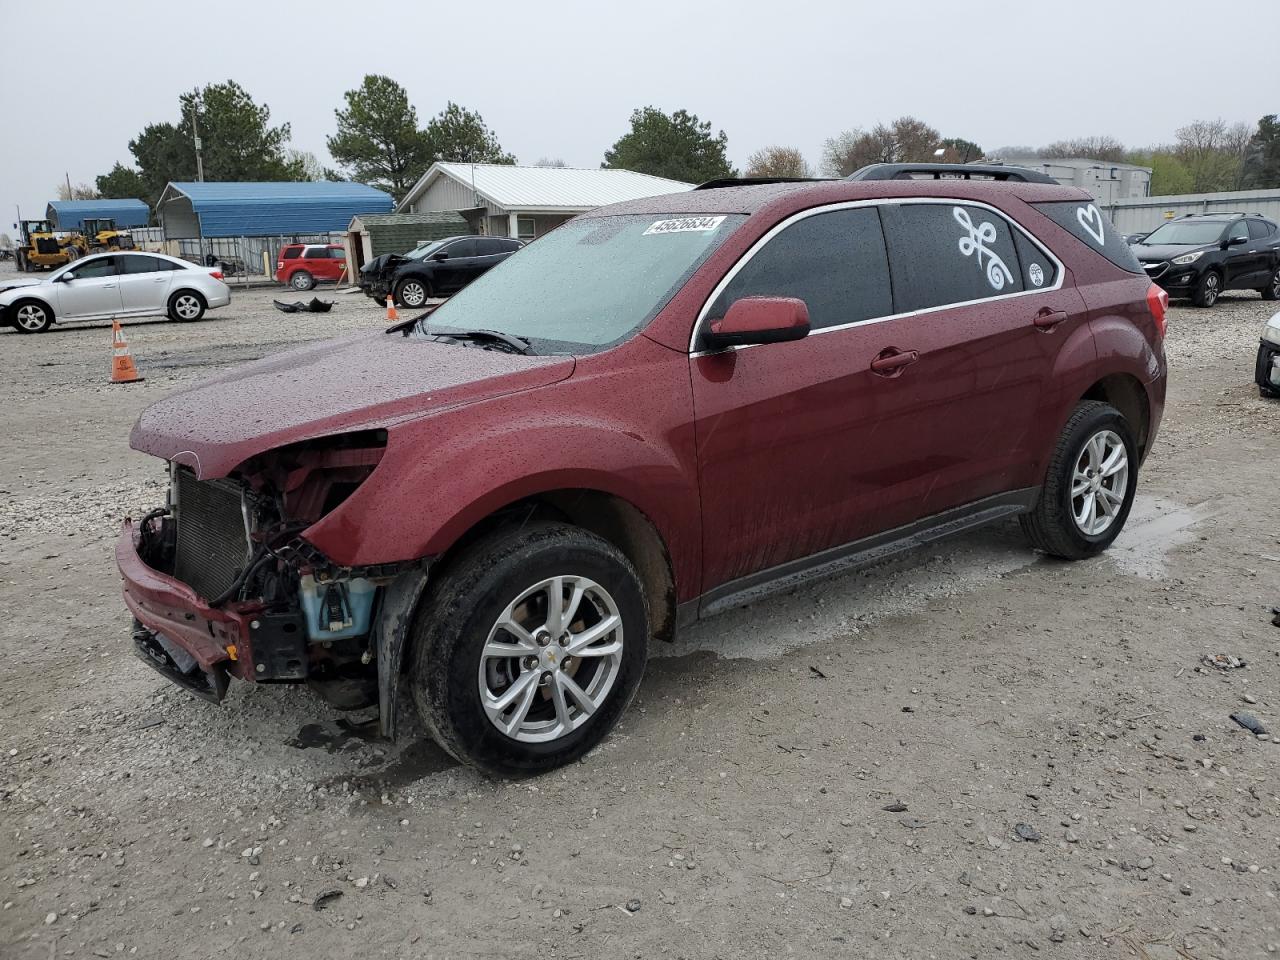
[685, 225]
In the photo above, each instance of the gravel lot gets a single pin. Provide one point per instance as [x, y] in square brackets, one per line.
[843, 771]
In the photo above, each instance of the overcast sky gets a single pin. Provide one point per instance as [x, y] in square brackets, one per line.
[559, 79]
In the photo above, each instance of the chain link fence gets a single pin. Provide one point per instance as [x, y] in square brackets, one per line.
[241, 259]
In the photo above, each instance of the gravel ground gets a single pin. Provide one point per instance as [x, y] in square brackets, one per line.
[969, 752]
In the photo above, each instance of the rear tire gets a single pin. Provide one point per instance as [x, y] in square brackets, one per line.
[1208, 289]
[1272, 290]
[1096, 441]
[32, 316]
[186, 306]
[509, 577]
[301, 280]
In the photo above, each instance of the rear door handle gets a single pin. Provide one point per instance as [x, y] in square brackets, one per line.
[891, 360]
[1047, 319]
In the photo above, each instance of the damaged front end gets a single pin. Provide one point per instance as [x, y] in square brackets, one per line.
[377, 277]
[222, 583]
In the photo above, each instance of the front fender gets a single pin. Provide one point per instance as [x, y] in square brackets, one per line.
[625, 432]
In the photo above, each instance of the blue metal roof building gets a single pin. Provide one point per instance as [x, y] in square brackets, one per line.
[195, 210]
[71, 214]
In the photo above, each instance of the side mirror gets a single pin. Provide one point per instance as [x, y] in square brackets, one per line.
[440, 256]
[1236, 241]
[66, 277]
[760, 320]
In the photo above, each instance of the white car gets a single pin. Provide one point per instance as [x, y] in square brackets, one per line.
[112, 285]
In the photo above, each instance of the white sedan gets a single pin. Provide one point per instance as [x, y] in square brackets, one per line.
[113, 285]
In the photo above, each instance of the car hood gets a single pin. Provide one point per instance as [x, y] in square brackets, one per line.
[1157, 252]
[383, 264]
[16, 282]
[366, 381]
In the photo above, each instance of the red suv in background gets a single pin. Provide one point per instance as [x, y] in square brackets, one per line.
[660, 410]
[302, 265]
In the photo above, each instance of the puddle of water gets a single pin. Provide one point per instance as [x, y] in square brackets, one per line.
[1155, 527]
[335, 737]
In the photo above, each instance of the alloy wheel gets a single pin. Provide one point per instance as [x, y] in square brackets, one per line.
[1210, 289]
[413, 294]
[551, 659]
[32, 317]
[1099, 483]
[187, 307]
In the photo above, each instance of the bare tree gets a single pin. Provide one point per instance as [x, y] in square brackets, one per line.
[778, 162]
[78, 191]
[906, 140]
[551, 162]
[1093, 148]
[1213, 153]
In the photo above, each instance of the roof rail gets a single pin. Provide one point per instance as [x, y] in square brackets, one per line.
[754, 181]
[949, 171]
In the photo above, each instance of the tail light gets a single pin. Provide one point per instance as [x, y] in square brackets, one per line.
[216, 274]
[279, 264]
[1158, 304]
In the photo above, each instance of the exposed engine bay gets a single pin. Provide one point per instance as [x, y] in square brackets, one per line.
[236, 542]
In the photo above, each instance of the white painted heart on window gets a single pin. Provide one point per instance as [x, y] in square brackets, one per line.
[1090, 218]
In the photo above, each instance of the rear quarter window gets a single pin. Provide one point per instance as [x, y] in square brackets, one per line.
[290, 253]
[1088, 224]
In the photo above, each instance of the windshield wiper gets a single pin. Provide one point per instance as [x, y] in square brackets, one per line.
[489, 338]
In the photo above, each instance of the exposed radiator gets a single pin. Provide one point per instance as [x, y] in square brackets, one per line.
[211, 544]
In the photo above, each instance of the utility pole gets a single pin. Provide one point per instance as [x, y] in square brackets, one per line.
[195, 132]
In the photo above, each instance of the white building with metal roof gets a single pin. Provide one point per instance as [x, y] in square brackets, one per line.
[504, 200]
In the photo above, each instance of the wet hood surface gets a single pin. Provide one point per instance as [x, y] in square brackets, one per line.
[14, 283]
[367, 381]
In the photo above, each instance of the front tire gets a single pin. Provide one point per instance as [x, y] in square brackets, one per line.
[31, 316]
[301, 280]
[1272, 290]
[186, 306]
[1208, 289]
[1089, 486]
[412, 293]
[529, 648]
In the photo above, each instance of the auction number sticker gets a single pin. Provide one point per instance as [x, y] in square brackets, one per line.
[685, 225]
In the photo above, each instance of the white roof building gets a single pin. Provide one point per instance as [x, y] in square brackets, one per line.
[504, 200]
[1106, 180]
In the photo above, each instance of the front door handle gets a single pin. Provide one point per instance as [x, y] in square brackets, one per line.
[1047, 319]
[891, 360]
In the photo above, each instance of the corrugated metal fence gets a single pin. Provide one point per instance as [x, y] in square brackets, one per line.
[1137, 214]
[242, 258]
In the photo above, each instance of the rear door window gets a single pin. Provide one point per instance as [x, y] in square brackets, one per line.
[137, 263]
[946, 253]
[489, 248]
[1088, 224]
[1258, 230]
[835, 262]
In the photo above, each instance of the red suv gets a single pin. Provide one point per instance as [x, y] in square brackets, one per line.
[301, 265]
[660, 410]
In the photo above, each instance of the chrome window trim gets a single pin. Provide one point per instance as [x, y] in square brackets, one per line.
[1059, 268]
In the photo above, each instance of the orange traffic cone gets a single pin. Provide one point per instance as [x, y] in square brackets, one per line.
[392, 316]
[123, 369]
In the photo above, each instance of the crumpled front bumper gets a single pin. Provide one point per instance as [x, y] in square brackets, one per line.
[179, 634]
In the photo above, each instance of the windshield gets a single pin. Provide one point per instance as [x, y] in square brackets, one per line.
[1185, 234]
[588, 284]
[421, 253]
